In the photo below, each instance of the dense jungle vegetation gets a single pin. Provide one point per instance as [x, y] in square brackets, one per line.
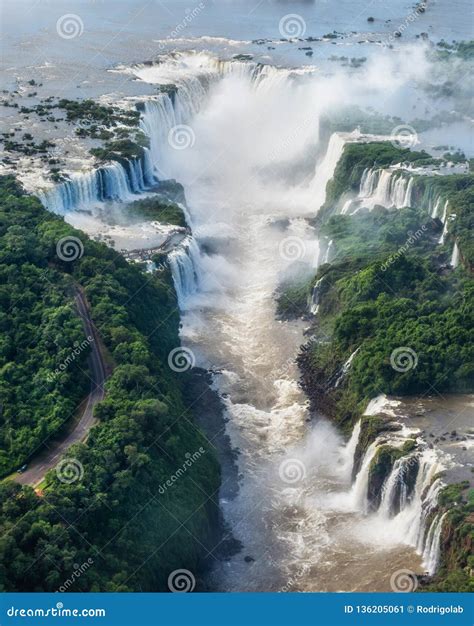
[116, 515]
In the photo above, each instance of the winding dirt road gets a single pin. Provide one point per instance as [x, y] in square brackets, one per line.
[54, 449]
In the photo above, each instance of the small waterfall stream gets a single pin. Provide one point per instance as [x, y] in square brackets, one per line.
[455, 256]
[315, 296]
[444, 219]
[350, 449]
[432, 544]
[434, 212]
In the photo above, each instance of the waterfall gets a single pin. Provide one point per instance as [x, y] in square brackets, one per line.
[410, 491]
[381, 187]
[325, 169]
[444, 219]
[186, 269]
[345, 368]
[392, 191]
[368, 182]
[395, 490]
[148, 177]
[349, 450]
[360, 487]
[382, 191]
[136, 178]
[410, 523]
[169, 110]
[118, 182]
[455, 256]
[431, 553]
[408, 193]
[158, 118]
[314, 307]
[434, 213]
[398, 188]
[347, 206]
[409, 496]
[328, 250]
[108, 182]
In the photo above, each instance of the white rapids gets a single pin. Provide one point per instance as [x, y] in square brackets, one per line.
[247, 203]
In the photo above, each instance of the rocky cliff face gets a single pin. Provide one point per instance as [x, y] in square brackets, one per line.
[456, 569]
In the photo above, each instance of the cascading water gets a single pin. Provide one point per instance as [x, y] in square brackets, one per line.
[409, 496]
[186, 269]
[444, 219]
[360, 488]
[350, 449]
[226, 296]
[108, 182]
[314, 305]
[245, 214]
[434, 212]
[324, 172]
[345, 368]
[328, 252]
[455, 256]
[408, 193]
[382, 194]
[368, 183]
[381, 187]
[395, 489]
[432, 544]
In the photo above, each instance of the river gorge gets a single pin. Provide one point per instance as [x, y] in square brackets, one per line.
[255, 146]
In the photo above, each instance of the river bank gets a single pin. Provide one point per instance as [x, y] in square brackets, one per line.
[390, 311]
[141, 486]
